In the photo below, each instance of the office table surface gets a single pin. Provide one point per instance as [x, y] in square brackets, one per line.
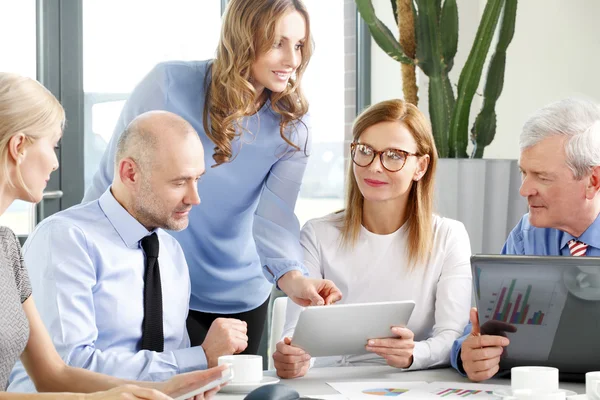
[315, 382]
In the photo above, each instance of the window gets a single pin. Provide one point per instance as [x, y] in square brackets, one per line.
[323, 185]
[18, 54]
[120, 47]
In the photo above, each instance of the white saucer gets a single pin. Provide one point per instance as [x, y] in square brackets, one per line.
[249, 386]
[588, 293]
[502, 393]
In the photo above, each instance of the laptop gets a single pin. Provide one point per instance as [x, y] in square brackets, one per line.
[552, 302]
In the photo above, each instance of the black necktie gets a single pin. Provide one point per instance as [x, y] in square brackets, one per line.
[152, 327]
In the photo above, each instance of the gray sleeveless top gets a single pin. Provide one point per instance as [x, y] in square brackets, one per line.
[14, 290]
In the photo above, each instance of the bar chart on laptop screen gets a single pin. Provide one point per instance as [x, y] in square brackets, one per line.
[531, 302]
[515, 304]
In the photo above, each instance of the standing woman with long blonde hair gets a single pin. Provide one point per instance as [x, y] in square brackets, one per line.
[31, 124]
[388, 245]
[247, 105]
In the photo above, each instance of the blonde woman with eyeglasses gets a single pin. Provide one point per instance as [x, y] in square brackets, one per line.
[31, 124]
[388, 245]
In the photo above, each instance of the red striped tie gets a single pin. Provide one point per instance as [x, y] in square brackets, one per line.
[577, 248]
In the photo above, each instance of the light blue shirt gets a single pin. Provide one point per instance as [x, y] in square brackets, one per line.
[246, 219]
[528, 240]
[87, 273]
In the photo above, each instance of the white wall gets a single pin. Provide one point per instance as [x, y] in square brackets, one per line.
[555, 53]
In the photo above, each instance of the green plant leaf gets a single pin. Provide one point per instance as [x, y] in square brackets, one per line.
[470, 77]
[449, 32]
[441, 104]
[429, 54]
[484, 128]
[381, 34]
[395, 10]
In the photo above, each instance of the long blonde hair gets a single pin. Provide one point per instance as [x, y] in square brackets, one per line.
[26, 107]
[248, 31]
[420, 199]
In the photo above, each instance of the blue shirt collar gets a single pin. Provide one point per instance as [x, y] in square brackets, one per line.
[128, 228]
[591, 236]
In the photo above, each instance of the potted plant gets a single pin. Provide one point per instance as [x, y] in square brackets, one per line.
[483, 194]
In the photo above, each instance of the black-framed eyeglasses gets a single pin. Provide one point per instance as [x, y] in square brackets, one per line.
[392, 160]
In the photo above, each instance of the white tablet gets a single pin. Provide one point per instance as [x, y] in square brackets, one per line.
[344, 329]
[190, 393]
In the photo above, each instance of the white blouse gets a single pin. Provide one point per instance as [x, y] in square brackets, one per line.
[376, 270]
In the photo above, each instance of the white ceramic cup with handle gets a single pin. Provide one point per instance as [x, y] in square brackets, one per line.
[592, 385]
[246, 368]
[543, 379]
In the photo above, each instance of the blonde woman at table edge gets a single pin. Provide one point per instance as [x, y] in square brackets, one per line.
[31, 124]
[388, 245]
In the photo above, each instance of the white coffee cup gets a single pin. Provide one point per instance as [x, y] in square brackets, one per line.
[526, 394]
[592, 385]
[544, 379]
[589, 277]
[246, 368]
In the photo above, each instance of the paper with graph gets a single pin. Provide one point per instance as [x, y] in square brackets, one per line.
[373, 390]
[533, 303]
[414, 390]
[455, 390]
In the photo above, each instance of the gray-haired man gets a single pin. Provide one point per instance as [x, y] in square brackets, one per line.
[560, 166]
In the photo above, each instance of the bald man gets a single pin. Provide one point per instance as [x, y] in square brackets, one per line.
[111, 286]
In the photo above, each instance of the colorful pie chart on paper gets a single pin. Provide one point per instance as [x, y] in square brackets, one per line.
[391, 392]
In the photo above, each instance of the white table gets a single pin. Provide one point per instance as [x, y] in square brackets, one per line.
[314, 383]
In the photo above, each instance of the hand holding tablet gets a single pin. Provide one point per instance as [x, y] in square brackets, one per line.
[396, 350]
[290, 361]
